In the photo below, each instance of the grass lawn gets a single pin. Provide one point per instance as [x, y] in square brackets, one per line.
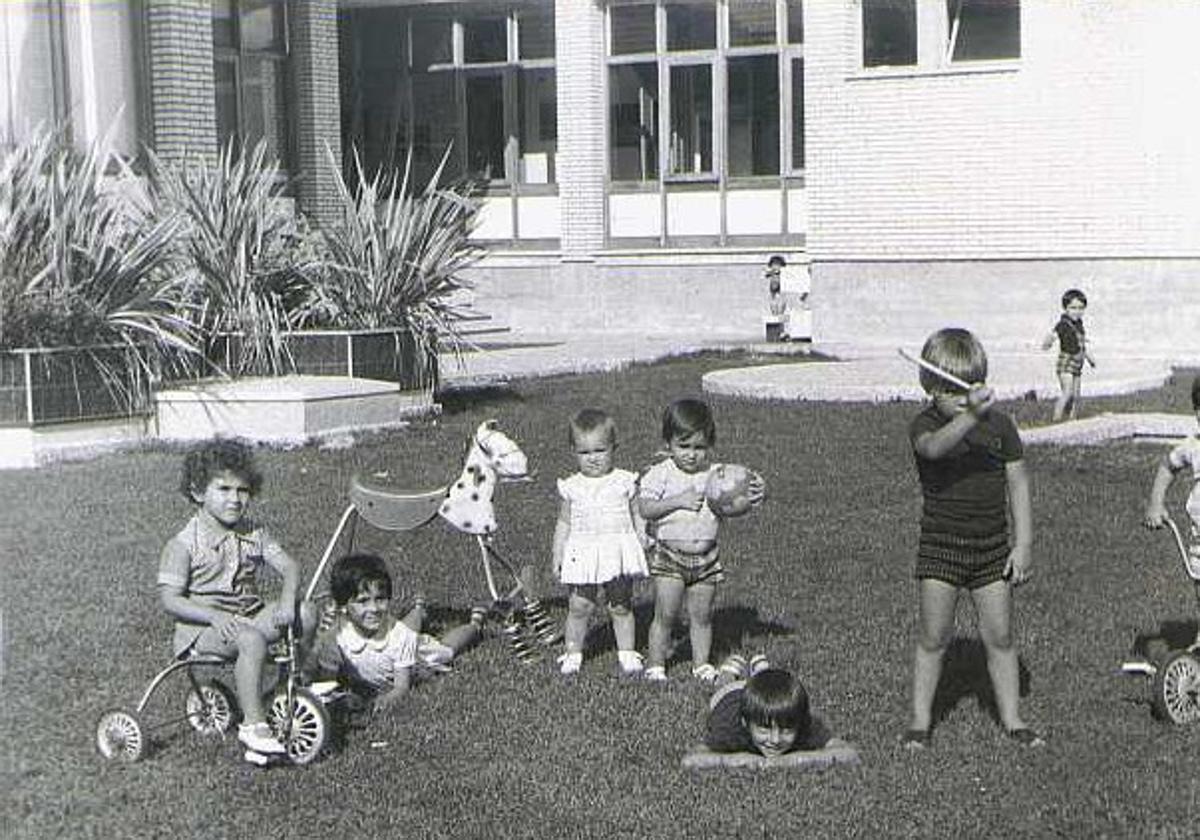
[820, 581]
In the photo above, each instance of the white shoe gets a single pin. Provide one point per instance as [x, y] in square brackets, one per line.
[630, 662]
[258, 738]
[256, 758]
[655, 673]
[758, 662]
[570, 662]
[706, 673]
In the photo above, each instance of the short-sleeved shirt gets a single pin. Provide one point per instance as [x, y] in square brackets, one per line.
[1187, 454]
[966, 490]
[726, 731]
[217, 567]
[1070, 335]
[664, 480]
[370, 662]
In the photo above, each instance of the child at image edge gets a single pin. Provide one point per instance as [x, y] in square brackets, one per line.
[597, 546]
[207, 579]
[972, 476]
[367, 647]
[683, 558]
[1185, 455]
[1072, 352]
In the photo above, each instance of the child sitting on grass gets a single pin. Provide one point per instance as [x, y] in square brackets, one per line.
[973, 478]
[207, 579]
[367, 647]
[597, 549]
[683, 558]
[1185, 455]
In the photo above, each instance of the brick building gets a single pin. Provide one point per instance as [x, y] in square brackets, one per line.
[930, 162]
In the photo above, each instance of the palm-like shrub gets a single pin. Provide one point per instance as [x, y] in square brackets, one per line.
[246, 265]
[80, 264]
[396, 258]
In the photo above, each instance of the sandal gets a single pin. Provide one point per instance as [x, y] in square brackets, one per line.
[1026, 737]
[915, 739]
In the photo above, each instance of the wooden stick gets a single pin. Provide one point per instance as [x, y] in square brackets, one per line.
[934, 369]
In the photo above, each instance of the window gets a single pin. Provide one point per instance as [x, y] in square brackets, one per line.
[490, 98]
[250, 74]
[889, 32]
[692, 25]
[722, 76]
[753, 109]
[934, 34]
[983, 29]
[751, 22]
[691, 119]
[633, 122]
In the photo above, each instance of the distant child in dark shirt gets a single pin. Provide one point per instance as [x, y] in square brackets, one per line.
[973, 480]
[1072, 352]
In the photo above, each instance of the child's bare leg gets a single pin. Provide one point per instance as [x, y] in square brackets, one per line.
[619, 595]
[580, 606]
[936, 620]
[993, 603]
[461, 637]
[668, 599]
[1074, 400]
[699, 601]
[247, 673]
[1062, 403]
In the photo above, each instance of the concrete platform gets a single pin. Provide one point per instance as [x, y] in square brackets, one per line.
[288, 409]
[886, 378]
[24, 447]
[1157, 428]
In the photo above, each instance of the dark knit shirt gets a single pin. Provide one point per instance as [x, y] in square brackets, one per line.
[966, 490]
[1070, 335]
[725, 731]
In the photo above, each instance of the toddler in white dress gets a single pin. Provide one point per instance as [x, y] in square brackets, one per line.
[597, 541]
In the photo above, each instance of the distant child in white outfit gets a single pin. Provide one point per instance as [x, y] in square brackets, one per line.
[597, 543]
[1183, 456]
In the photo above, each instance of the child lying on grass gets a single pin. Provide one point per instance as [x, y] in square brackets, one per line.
[367, 647]
[765, 721]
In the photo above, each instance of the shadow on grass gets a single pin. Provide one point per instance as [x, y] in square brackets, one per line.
[964, 675]
[461, 400]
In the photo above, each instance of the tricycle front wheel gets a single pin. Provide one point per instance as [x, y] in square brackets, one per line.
[1176, 687]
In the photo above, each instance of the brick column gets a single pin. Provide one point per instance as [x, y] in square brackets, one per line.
[183, 110]
[582, 144]
[316, 112]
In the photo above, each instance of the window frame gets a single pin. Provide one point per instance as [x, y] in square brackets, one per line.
[783, 51]
[935, 36]
[235, 55]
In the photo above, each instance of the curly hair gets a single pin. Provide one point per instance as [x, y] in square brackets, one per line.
[214, 457]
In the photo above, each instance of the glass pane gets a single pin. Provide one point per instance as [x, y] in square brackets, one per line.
[485, 126]
[889, 32]
[485, 39]
[373, 115]
[538, 128]
[692, 25]
[691, 120]
[795, 22]
[263, 106]
[431, 43]
[262, 25]
[225, 81]
[535, 34]
[751, 22]
[435, 117]
[633, 102]
[754, 115]
[633, 29]
[224, 32]
[797, 113]
[984, 29]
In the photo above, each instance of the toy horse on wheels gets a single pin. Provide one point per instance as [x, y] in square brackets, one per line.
[466, 503]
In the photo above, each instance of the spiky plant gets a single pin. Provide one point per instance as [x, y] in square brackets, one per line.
[245, 268]
[396, 258]
[80, 266]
